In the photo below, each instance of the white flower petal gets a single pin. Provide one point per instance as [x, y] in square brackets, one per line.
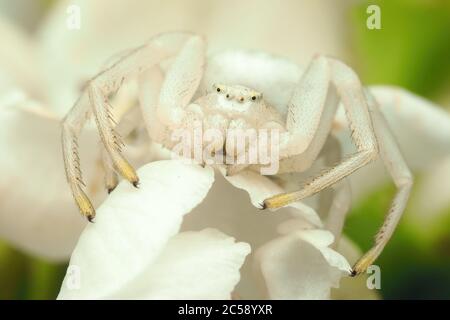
[421, 127]
[301, 266]
[133, 226]
[193, 265]
[229, 210]
[432, 197]
[321, 239]
[274, 76]
[37, 211]
[260, 188]
[352, 288]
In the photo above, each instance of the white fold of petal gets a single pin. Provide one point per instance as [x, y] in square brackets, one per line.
[353, 288]
[433, 194]
[259, 188]
[300, 265]
[229, 210]
[133, 226]
[194, 265]
[421, 127]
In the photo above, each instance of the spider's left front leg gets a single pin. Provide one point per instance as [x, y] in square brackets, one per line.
[366, 124]
[337, 202]
[310, 116]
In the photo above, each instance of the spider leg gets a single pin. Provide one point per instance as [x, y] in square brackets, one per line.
[337, 202]
[367, 126]
[127, 118]
[412, 119]
[323, 77]
[71, 128]
[181, 82]
[95, 100]
[400, 173]
[164, 99]
[111, 177]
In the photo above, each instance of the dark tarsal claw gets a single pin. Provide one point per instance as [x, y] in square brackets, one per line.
[262, 206]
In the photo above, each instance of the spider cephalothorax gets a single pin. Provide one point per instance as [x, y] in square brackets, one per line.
[178, 96]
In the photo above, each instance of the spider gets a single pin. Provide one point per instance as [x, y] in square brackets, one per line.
[305, 120]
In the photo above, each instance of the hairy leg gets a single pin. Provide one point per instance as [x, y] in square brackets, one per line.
[336, 202]
[95, 101]
[400, 173]
[329, 73]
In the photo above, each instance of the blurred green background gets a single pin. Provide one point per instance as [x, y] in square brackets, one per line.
[411, 50]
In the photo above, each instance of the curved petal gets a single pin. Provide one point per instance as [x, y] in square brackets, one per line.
[352, 288]
[432, 197]
[37, 211]
[229, 210]
[421, 127]
[193, 265]
[300, 265]
[133, 226]
[272, 75]
[259, 188]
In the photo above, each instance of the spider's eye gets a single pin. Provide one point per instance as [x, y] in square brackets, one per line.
[253, 98]
[218, 89]
[227, 95]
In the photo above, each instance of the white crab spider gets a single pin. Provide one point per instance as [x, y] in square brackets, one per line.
[306, 128]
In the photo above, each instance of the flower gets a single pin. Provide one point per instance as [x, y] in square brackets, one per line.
[174, 237]
[142, 247]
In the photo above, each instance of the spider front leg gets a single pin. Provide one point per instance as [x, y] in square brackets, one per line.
[95, 101]
[310, 116]
[336, 202]
[311, 112]
[403, 179]
[367, 124]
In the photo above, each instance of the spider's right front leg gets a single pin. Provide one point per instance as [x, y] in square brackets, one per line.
[158, 49]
